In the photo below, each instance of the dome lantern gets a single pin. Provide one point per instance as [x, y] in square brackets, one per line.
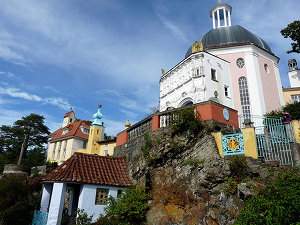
[220, 14]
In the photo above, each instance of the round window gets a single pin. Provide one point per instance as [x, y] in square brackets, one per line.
[240, 62]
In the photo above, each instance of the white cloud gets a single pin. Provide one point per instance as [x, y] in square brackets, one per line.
[129, 114]
[17, 93]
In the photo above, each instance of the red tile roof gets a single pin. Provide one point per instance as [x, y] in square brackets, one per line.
[74, 131]
[68, 114]
[91, 169]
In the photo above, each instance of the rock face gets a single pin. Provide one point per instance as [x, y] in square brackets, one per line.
[187, 178]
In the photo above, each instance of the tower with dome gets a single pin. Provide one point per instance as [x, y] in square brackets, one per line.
[228, 64]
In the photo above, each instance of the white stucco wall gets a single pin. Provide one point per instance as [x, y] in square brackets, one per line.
[87, 199]
[294, 77]
[190, 80]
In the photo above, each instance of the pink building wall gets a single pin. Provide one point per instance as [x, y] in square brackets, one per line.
[236, 73]
[271, 95]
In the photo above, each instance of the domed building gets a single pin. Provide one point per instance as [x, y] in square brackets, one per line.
[238, 69]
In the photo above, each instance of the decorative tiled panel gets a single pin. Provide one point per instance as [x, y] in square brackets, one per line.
[233, 144]
[101, 196]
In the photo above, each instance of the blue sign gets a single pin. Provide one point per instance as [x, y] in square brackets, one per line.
[226, 114]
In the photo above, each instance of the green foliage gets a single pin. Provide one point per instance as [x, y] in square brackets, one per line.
[278, 204]
[238, 167]
[291, 108]
[35, 157]
[231, 186]
[292, 31]
[186, 120]
[29, 130]
[17, 199]
[148, 145]
[129, 209]
[83, 218]
[193, 162]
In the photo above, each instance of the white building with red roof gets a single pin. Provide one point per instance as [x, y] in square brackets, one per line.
[91, 178]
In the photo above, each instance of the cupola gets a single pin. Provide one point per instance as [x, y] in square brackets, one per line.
[220, 14]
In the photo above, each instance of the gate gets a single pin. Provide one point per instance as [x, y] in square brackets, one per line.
[273, 138]
[233, 144]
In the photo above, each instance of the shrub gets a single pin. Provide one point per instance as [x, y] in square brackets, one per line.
[130, 208]
[17, 199]
[278, 204]
[238, 167]
[83, 218]
[186, 119]
[291, 108]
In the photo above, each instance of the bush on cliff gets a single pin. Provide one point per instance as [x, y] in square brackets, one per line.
[278, 204]
[130, 208]
[187, 120]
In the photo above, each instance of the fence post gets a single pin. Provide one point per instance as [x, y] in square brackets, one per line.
[250, 142]
[155, 122]
[296, 130]
[218, 139]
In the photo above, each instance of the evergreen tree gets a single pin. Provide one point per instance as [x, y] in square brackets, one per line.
[29, 131]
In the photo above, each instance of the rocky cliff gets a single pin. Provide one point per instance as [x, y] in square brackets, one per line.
[188, 180]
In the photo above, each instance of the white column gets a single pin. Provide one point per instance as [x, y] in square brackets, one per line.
[225, 17]
[257, 100]
[57, 203]
[279, 85]
[46, 197]
[229, 19]
[218, 15]
[214, 20]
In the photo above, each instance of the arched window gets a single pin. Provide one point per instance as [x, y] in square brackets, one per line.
[244, 96]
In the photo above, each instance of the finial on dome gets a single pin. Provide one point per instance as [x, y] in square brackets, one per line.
[71, 109]
[220, 1]
[127, 124]
[97, 117]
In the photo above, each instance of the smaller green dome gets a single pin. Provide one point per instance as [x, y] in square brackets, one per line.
[97, 118]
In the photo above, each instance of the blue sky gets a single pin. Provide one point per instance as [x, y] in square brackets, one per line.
[57, 54]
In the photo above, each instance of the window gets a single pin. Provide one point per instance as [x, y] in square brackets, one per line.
[53, 154]
[244, 96]
[226, 91]
[84, 145]
[295, 98]
[101, 196]
[197, 72]
[106, 145]
[266, 68]
[240, 63]
[105, 152]
[58, 152]
[65, 149]
[213, 74]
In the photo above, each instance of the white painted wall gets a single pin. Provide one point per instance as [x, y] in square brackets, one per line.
[87, 198]
[294, 77]
[183, 83]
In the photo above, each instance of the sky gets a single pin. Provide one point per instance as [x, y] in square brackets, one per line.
[56, 54]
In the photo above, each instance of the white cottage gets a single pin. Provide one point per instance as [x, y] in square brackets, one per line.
[92, 178]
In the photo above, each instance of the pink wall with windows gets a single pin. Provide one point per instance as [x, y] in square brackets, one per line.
[236, 73]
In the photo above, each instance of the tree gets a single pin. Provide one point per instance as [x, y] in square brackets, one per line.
[29, 131]
[293, 31]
